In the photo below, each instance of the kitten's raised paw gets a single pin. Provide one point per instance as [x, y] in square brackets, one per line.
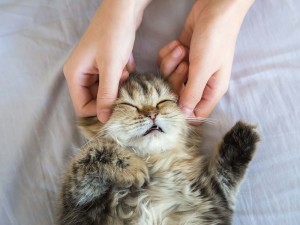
[240, 142]
[131, 171]
[243, 135]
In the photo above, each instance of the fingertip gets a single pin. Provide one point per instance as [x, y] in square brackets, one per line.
[105, 101]
[104, 115]
[125, 75]
[167, 49]
[173, 44]
[177, 52]
[186, 111]
[131, 64]
[188, 101]
[172, 62]
[104, 108]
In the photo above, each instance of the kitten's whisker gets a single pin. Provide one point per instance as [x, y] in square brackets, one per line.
[202, 120]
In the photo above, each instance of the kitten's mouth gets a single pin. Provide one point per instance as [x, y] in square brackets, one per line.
[154, 128]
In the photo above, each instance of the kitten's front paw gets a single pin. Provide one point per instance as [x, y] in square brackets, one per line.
[243, 135]
[131, 171]
[240, 142]
[113, 165]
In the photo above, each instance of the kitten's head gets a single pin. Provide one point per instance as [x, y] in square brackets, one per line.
[145, 116]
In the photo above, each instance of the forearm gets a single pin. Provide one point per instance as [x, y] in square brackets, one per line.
[242, 6]
[134, 8]
[226, 15]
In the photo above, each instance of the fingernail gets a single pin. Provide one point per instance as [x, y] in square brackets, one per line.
[173, 44]
[186, 111]
[177, 52]
[104, 115]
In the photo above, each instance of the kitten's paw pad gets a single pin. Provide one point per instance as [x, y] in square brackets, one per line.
[243, 136]
[132, 171]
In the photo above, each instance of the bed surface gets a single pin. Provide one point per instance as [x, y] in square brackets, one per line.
[37, 122]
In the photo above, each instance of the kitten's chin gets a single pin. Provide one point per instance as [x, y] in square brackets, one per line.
[155, 142]
[156, 139]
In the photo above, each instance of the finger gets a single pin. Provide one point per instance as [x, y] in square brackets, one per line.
[131, 64]
[124, 76]
[83, 101]
[166, 50]
[192, 93]
[205, 107]
[178, 78]
[185, 36]
[94, 90]
[79, 88]
[87, 94]
[171, 61]
[212, 93]
[108, 91]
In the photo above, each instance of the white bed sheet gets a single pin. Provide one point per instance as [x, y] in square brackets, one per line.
[37, 128]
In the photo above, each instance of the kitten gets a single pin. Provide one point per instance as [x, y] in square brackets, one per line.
[144, 166]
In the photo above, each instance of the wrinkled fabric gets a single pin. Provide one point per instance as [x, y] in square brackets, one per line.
[37, 122]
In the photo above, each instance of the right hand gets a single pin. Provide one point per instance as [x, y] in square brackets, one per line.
[103, 57]
[209, 35]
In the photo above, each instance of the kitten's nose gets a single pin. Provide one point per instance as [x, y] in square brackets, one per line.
[152, 116]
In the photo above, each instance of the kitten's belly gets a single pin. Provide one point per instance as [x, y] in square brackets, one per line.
[169, 200]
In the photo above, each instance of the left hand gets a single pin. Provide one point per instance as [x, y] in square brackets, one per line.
[208, 37]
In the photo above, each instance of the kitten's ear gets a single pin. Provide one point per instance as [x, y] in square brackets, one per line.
[89, 126]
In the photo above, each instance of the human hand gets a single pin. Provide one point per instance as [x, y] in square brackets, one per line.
[210, 33]
[173, 61]
[103, 57]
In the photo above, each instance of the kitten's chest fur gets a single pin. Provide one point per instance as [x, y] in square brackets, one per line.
[169, 197]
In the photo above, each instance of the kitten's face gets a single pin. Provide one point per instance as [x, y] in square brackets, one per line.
[146, 116]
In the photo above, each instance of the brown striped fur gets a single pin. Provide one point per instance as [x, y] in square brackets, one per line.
[125, 176]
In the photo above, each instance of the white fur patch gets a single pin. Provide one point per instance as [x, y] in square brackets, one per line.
[168, 198]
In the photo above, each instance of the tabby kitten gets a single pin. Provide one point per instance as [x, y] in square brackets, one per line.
[144, 166]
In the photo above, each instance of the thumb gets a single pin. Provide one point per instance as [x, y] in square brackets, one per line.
[194, 88]
[108, 90]
[186, 33]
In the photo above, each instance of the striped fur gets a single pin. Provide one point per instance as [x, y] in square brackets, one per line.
[125, 176]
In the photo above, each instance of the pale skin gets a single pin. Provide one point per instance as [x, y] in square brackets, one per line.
[197, 64]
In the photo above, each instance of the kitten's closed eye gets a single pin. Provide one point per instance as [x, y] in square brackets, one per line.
[165, 101]
[130, 105]
[157, 105]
